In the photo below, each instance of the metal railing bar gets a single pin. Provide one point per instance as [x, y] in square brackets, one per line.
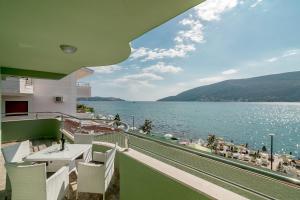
[223, 160]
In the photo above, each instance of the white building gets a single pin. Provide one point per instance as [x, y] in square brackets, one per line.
[39, 95]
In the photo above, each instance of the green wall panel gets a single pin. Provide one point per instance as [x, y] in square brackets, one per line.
[30, 129]
[139, 181]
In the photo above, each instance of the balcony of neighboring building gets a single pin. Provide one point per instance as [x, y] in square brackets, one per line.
[17, 86]
[83, 89]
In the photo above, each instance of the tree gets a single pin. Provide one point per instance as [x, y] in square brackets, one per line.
[211, 140]
[117, 120]
[147, 126]
[264, 148]
[81, 108]
[91, 109]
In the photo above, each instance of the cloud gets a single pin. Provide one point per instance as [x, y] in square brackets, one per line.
[106, 69]
[273, 59]
[190, 34]
[212, 9]
[291, 53]
[136, 85]
[137, 79]
[229, 72]
[144, 76]
[179, 50]
[161, 67]
[285, 54]
[210, 80]
[182, 86]
[257, 2]
[194, 32]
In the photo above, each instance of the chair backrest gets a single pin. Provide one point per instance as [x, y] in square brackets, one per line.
[83, 138]
[27, 181]
[90, 178]
[95, 178]
[109, 166]
[16, 152]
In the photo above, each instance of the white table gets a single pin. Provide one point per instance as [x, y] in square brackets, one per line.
[69, 156]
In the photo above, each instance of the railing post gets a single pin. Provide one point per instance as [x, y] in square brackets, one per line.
[271, 135]
[132, 123]
[62, 122]
[80, 125]
[126, 142]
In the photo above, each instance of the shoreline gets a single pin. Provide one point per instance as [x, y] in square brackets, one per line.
[285, 163]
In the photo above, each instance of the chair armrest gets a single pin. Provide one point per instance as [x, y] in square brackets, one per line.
[57, 184]
[99, 156]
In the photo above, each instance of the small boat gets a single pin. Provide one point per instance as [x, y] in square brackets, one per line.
[168, 136]
[132, 128]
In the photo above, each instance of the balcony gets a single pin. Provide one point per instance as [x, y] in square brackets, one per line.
[17, 86]
[150, 166]
[83, 89]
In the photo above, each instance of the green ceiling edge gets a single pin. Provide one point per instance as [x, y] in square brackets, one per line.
[7, 71]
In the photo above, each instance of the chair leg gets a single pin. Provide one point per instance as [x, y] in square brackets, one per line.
[68, 194]
[76, 195]
[103, 196]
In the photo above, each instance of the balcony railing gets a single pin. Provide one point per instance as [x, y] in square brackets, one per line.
[70, 123]
[250, 181]
[83, 89]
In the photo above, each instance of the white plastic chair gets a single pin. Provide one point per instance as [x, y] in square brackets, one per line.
[83, 138]
[17, 152]
[30, 182]
[101, 157]
[95, 178]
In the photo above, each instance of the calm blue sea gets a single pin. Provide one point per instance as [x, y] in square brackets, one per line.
[241, 122]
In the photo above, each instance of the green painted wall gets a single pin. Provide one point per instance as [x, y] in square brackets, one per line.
[139, 181]
[30, 129]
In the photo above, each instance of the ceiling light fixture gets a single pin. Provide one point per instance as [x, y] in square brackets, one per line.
[68, 48]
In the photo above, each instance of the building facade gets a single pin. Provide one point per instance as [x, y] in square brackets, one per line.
[22, 95]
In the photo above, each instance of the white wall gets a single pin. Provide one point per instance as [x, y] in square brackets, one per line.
[44, 92]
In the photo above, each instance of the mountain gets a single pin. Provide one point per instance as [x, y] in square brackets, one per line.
[99, 99]
[283, 87]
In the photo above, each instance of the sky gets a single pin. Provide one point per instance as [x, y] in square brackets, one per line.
[214, 41]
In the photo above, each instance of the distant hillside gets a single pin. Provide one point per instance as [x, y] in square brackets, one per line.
[99, 99]
[283, 87]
